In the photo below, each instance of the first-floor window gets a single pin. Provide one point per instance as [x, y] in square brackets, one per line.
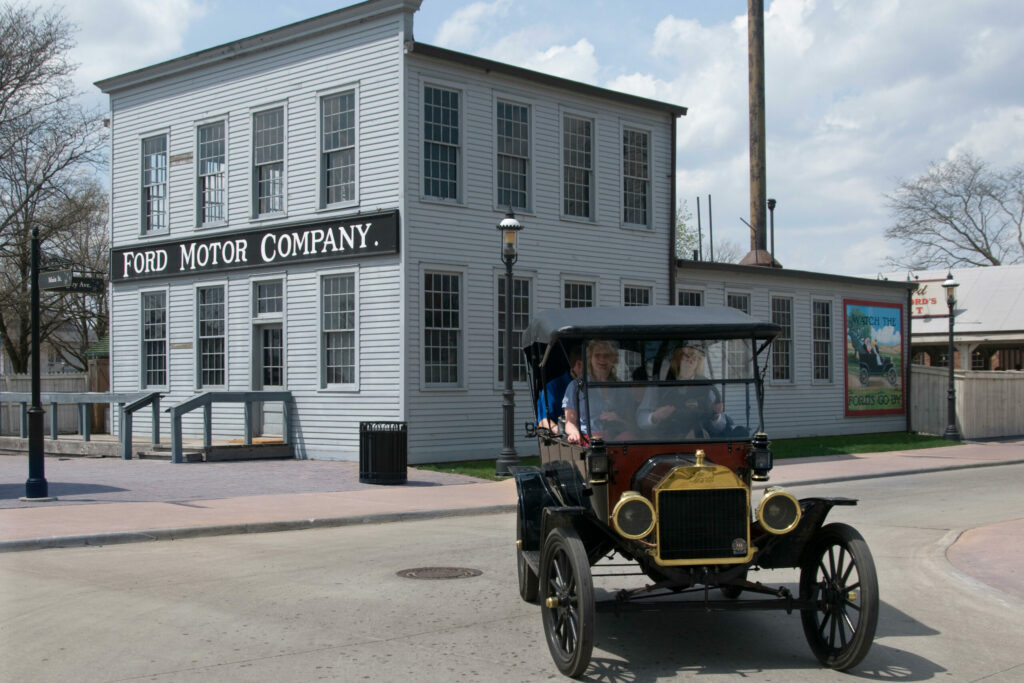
[520, 319]
[782, 347]
[442, 328]
[578, 295]
[211, 333]
[636, 296]
[691, 297]
[821, 332]
[338, 299]
[741, 302]
[154, 339]
[739, 349]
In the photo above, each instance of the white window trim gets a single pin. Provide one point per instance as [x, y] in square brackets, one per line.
[462, 272]
[649, 286]
[199, 123]
[322, 385]
[142, 342]
[531, 202]
[320, 200]
[792, 341]
[265, 319]
[594, 165]
[460, 181]
[568, 278]
[197, 383]
[254, 215]
[832, 340]
[623, 127]
[499, 274]
[140, 205]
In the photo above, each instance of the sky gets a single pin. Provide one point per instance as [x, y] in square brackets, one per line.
[859, 93]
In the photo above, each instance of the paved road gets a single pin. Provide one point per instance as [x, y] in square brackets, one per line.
[327, 604]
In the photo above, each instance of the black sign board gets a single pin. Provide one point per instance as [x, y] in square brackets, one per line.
[54, 279]
[336, 239]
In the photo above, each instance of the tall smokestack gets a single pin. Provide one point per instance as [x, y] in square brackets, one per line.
[758, 255]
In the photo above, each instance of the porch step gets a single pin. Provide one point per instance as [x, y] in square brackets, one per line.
[164, 453]
[260, 449]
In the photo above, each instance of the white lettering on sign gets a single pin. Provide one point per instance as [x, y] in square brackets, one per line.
[315, 241]
[144, 262]
[213, 254]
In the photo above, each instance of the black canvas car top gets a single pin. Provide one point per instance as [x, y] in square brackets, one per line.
[623, 322]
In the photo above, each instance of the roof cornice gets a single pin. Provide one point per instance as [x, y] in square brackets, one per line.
[483, 64]
[686, 264]
[307, 28]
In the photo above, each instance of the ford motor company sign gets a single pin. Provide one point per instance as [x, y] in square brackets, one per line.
[347, 238]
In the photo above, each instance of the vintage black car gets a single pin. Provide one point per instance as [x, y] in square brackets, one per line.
[871, 362]
[656, 464]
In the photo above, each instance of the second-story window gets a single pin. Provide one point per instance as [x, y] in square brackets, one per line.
[210, 190]
[154, 184]
[577, 166]
[338, 147]
[441, 143]
[513, 155]
[691, 297]
[635, 177]
[636, 296]
[268, 161]
[578, 295]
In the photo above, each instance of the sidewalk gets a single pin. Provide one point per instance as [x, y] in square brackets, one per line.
[104, 501]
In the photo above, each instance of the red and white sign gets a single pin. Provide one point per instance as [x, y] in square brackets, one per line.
[929, 300]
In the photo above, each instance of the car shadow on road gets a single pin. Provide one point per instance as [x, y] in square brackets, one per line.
[665, 642]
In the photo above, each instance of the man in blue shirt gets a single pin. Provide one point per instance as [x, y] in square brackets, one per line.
[549, 403]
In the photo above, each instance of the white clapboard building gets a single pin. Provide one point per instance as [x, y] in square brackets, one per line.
[314, 209]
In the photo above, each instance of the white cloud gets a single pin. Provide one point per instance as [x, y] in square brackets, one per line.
[463, 28]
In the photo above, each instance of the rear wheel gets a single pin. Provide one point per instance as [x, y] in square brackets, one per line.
[892, 376]
[838, 576]
[568, 601]
[865, 376]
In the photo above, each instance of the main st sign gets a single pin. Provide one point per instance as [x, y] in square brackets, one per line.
[365, 234]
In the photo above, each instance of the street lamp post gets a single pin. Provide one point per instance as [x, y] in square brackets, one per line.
[36, 486]
[951, 433]
[509, 228]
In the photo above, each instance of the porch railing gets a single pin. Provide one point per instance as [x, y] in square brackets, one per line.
[206, 401]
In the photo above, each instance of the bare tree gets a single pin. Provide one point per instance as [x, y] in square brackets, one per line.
[961, 212]
[689, 240]
[50, 148]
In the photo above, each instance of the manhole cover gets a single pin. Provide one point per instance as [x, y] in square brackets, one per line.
[439, 573]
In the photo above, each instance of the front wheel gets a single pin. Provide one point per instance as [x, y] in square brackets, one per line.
[838, 576]
[567, 608]
[892, 376]
[865, 376]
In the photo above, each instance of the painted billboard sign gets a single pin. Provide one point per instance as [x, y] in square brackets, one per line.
[874, 358]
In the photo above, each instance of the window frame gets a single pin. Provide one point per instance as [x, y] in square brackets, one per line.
[591, 185]
[322, 167]
[829, 342]
[459, 156]
[527, 190]
[648, 289]
[461, 383]
[787, 336]
[570, 281]
[144, 368]
[323, 383]
[686, 291]
[254, 188]
[518, 360]
[145, 229]
[200, 193]
[625, 178]
[198, 336]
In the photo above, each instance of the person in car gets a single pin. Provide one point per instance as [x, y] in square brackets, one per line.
[549, 403]
[683, 410]
[612, 407]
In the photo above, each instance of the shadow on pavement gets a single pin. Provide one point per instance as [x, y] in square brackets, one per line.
[58, 489]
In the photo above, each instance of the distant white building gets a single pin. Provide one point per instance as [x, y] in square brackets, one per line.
[313, 209]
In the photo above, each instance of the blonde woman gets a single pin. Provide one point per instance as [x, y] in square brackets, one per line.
[612, 406]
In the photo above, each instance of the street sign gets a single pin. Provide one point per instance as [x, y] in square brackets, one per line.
[55, 279]
[64, 281]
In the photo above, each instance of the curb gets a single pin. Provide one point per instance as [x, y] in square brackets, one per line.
[902, 473]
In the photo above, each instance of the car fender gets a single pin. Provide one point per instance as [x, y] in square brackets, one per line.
[534, 495]
[788, 550]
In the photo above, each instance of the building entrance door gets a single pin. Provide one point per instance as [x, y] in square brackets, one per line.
[269, 375]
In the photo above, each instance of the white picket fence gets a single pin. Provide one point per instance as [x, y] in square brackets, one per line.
[988, 403]
[67, 415]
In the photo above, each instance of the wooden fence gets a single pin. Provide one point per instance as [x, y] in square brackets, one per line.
[67, 415]
[988, 404]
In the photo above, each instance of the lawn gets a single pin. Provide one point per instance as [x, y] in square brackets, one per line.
[781, 448]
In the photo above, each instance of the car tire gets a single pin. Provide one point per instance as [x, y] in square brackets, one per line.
[567, 605]
[838, 576]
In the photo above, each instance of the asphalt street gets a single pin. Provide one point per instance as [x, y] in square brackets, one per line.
[328, 604]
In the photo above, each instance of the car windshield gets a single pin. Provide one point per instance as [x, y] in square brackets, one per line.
[666, 390]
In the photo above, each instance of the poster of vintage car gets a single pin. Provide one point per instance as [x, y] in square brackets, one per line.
[874, 358]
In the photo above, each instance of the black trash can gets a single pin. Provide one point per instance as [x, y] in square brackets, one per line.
[383, 452]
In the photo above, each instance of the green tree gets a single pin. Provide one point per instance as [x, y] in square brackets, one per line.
[689, 240]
